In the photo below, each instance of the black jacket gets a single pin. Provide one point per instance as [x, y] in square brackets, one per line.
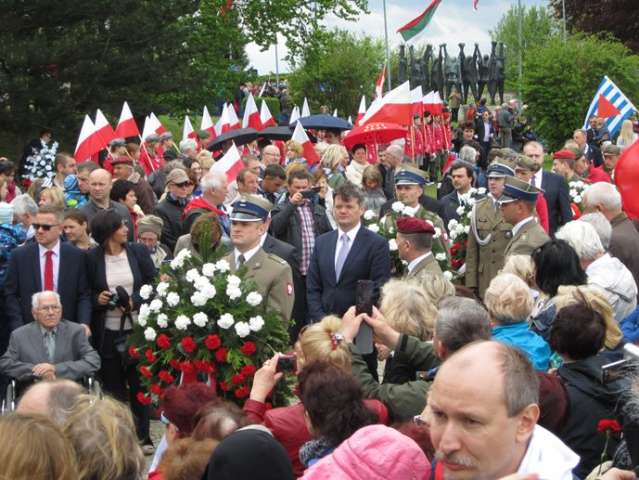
[170, 211]
[556, 193]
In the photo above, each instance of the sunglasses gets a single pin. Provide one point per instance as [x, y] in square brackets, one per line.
[183, 184]
[43, 226]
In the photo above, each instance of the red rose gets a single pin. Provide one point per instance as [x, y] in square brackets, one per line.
[237, 379]
[166, 377]
[242, 392]
[156, 388]
[143, 399]
[133, 352]
[188, 344]
[224, 386]
[248, 348]
[457, 263]
[220, 355]
[146, 372]
[204, 366]
[163, 342]
[187, 368]
[213, 342]
[150, 357]
[605, 426]
[174, 363]
[248, 370]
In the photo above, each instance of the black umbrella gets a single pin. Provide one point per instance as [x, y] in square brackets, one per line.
[276, 133]
[240, 136]
[324, 121]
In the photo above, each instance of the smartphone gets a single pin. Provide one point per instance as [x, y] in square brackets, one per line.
[308, 194]
[364, 294]
[316, 189]
[287, 363]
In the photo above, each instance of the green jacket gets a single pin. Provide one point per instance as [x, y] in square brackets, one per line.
[402, 400]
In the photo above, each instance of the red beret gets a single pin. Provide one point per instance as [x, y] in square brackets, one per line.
[564, 154]
[414, 225]
[122, 159]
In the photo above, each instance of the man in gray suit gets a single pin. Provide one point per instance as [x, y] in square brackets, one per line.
[49, 347]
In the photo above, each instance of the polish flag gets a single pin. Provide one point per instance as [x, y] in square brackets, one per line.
[187, 130]
[299, 136]
[230, 163]
[433, 103]
[103, 128]
[295, 115]
[362, 110]
[379, 83]
[207, 123]
[394, 107]
[223, 124]
[152, 126]
[416, 97]
[232, 115]
[89, 142]
[266, 118]
[157, 125]
[251, 115]
[126, 125]
[306, 111]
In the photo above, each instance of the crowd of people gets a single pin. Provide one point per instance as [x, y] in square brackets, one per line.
[495, 364]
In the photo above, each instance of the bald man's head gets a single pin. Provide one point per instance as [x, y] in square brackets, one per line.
[270, 155]
[100, 186]
[54, 399]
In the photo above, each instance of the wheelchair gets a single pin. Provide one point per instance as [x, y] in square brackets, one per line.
[16, 388]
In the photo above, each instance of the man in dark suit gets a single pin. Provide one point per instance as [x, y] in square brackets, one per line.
[344, 256]
[555, 188]
[47, 264]
[49, 347]
[462, 175]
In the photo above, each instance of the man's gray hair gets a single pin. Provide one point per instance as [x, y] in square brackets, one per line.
[396, 151]
[468, 154]
[604, 194]
[212, 181]
[602, 225]
[188, 144]
[35, 299]
[461, 321]
[583, 238]
[23, 205]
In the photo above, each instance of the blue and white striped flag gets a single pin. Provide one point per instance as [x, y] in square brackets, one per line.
[611, 92]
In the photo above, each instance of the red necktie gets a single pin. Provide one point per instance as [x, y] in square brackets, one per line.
[48, 271]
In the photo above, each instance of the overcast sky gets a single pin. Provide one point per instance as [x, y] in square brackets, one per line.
[455, 21]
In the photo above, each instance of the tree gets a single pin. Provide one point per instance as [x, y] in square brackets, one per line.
[336, 69]
[561, 78]
[618, 17]
[538, 24]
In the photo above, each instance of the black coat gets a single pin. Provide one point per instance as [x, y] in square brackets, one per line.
[143, 272]
[556, 193]
[170, 211]
[24, 279]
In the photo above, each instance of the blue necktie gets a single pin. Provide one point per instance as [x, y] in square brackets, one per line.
[341, 258]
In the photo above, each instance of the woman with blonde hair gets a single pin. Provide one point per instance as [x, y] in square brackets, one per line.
[52, 196]
[206, 161]
[627, 135]
[102, 433]
[372, 182]
[320, 342]
[32, 447]
[333, 164]
[294, 153]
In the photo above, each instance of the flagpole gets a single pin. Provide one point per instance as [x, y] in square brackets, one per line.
[521, 46]
[563, 11]
[277, 67]
[388, 71]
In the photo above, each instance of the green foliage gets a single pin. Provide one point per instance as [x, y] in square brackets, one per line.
[538, 27]
[336, 69]
[561, 78]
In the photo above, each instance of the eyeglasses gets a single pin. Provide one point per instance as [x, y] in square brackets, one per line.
[43, 226]
[183, 184]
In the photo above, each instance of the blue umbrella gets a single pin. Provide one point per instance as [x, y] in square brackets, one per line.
[324, 121]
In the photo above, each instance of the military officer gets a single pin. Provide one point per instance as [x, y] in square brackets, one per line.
[517, 205]
[414, 243]
[271, 274]
[489, 233]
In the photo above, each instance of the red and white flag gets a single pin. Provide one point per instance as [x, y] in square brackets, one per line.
[89, 142]
[266, 118]
[295, 115]
[187, 129]
[251, 117]
[362, 110]
[306, 111]
[157, 125]
[223, 124]
[379, 83]
[394, 107]
[233, 120]
[103, 128]
[126, 125]
[230, 163]
[299, 136]
[433, 103]
[262, 90]
[207, 123]
[416, 97]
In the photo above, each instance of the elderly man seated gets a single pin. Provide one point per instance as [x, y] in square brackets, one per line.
[49, 347]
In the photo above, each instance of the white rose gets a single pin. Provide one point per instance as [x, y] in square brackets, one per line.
[200, 319]
[242, 329]
[233, 292]
[233, 281]
[184, 254]
[572, 184]
[392, 244]
[466, 229]
[198, 299]
[254, 299]
[573, 193]
[256, 323]
[208, 269]
[172, 299]
[410, 211]
[226, 321]
[201, 283]
[146, 291]
[163, 320]
[177, 262]
[460, 210]
[453, 234]
[149, 334]
[192, 275]
[369, 215]
[373, 228]
[438, 232]
[182, 322]
[481, 191]
[440, 257]
[142, 321]
[448, 276]
[208, 291]
[397, 207]
[144, 312]
[162, 288]
[155, 305]
[577, 199]
[222, 266]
